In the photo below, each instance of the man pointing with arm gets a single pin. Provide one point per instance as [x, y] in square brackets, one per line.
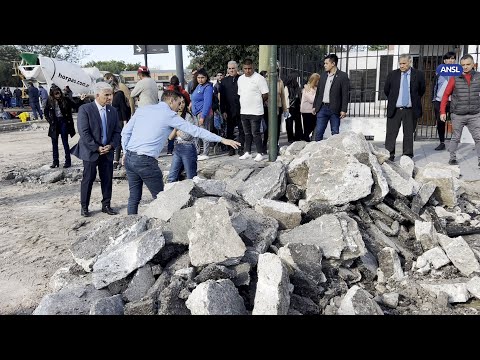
[143, 139]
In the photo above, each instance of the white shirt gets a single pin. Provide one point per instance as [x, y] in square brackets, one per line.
[250, 90]
[100, 107]
[328, 86]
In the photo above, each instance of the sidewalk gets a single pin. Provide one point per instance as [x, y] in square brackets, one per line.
[424, 153]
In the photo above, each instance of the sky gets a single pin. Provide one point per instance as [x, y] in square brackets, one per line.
[165, 61]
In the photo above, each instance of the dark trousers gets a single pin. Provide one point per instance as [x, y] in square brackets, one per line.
[309, 121]
[265, 127]
[118, 149]
[141, 169]
[62, 131]
[297, 120]
[35, 105]
[233, 121]
[170, 145]
[279, 123]
[406, 118]
[251, 126]
[105, 171]
[440, 123]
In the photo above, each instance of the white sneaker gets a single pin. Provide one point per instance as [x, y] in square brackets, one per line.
[203, 157]
[245, 156]
[259, 157]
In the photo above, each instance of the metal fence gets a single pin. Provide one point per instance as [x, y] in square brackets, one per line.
[368, 66]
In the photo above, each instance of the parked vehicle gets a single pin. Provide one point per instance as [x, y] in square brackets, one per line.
[47, 71]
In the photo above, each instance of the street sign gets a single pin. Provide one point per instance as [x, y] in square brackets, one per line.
[138, 49]
[151, 49]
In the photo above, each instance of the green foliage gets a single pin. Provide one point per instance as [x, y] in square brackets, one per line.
[113, 66]
[214, 58]
[9, 53]
[71, 53]
[377, 47]
[6, 72]
[345, 48]
[309, 51]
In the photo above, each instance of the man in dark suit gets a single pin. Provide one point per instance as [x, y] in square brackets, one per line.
[331, 98]
[99, 131]
[230, 105]
[404, 88]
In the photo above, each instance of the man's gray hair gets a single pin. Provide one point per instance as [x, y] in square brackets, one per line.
[233, 62]
[101, 87]
[405, 56]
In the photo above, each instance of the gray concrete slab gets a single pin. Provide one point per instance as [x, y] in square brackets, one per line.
[424, 153]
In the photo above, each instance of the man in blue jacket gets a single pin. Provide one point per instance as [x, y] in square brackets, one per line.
[34, 101]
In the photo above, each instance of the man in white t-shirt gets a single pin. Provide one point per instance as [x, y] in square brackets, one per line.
[253, 92]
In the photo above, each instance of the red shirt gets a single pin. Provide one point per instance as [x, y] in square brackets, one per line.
[183, 91]
[449, 91]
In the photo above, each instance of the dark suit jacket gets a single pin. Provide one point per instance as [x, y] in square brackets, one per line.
[417, 89]
[90, 131]
[338, 92]
[229, 98]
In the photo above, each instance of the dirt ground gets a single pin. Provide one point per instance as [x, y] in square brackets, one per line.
[39, 222]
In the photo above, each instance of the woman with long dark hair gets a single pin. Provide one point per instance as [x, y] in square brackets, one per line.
[58, 113]
[294, 94]
[201, 103]
[175, 86]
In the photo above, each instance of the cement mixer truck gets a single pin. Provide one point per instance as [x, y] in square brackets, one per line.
[46, 71]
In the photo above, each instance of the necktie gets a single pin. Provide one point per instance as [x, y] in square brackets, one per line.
[405, 91]
[103, 115]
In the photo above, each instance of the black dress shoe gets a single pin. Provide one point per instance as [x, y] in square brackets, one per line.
[67, 165]
[392, 157]
[54, 165]
[107, 209]
[84, 212]
[440, 147]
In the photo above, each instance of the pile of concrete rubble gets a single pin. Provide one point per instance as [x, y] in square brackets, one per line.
[331, 227]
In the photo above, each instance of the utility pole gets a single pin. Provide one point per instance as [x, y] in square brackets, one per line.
[179, 63]
[263, 56]
[272, 105]
[145, 55]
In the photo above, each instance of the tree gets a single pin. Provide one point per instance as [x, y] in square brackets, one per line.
[71, 53]
[113, 66]
[6, 75]
[214, 58]
[309, 51]
[8, 54]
